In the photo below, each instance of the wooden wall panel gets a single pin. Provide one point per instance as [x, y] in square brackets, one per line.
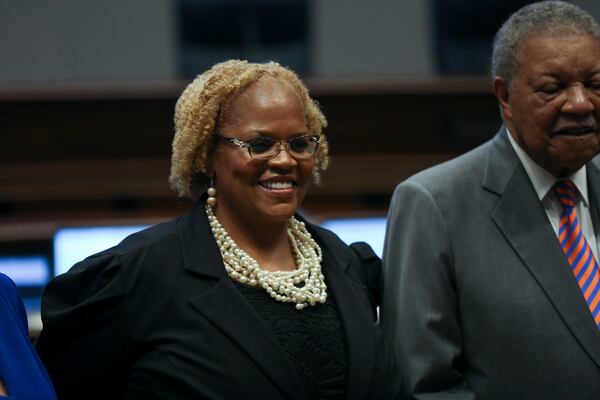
[103, 152]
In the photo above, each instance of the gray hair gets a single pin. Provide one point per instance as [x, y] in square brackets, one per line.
[545, 18]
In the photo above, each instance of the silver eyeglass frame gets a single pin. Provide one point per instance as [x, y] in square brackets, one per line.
[277, 144]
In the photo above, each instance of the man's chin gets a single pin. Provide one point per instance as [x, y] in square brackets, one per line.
[568, 155]
[565, 168]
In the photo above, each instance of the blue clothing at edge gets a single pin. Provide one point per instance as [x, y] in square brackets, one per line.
[21, 370]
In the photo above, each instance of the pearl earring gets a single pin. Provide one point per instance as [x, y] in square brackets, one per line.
[212, 195]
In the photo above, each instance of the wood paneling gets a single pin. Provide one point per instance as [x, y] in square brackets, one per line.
[103, 151]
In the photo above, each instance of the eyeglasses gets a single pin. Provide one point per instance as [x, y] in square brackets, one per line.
[265, 148]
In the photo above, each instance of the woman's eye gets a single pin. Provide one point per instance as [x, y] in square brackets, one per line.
[260, 145]
[299, 144]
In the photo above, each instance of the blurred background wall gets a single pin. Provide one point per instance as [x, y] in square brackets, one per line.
[51, 41]
[87, 91]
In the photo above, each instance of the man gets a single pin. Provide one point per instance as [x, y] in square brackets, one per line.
[491, 278]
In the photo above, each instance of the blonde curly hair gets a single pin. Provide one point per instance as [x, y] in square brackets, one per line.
[197, 116]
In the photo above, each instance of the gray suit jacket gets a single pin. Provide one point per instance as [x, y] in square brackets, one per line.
[479, 300]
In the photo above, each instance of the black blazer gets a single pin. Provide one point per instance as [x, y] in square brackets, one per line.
[157, 317]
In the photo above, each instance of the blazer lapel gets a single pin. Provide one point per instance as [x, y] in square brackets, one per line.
[226, 307]
[223, 304]
[530, 233]
[358, 328]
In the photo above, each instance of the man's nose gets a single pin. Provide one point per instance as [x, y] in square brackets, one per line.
[578, 100]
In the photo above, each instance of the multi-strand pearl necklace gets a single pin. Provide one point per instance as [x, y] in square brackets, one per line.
[303, 286]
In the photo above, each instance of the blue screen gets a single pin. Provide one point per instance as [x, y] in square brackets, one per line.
[72, 245]
[370, 230]
[26, 271]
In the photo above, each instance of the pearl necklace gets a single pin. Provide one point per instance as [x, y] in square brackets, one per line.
[303, 286]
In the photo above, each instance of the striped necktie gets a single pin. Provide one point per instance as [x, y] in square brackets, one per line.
[576, 248]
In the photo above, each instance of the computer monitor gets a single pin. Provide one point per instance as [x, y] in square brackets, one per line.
[73, 244]
[26, 271]
[360, 229]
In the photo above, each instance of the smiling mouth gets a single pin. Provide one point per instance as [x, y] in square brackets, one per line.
[277, 185]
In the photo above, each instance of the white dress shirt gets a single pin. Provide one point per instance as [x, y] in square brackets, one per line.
[543, 181]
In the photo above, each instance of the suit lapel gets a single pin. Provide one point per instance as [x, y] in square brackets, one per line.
[358, 328]
[223, 304]
[593, 172]
[529, 232]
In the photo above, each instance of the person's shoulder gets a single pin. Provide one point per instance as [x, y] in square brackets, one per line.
[10, 299]
[133, 247]
[6, 284]
[112, 271]
[8, 289]
[596, 161]
[161, 234]
[156, 235]
[466, 167]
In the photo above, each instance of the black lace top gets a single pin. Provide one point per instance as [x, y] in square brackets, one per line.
[313, 339]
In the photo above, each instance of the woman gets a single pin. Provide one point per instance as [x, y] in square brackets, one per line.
[22, 375]
[240, 298]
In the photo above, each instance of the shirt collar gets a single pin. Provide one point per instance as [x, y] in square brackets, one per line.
[543, 180]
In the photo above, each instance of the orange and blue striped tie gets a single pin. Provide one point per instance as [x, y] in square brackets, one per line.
[576, 248]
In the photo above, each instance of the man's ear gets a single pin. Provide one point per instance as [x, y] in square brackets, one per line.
[501, 92]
